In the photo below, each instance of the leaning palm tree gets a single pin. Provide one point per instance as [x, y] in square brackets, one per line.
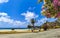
[32, 22]
[29, 26]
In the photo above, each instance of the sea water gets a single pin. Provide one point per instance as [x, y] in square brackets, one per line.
[14, 29]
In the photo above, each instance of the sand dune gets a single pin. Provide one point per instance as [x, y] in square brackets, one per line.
[54, 33]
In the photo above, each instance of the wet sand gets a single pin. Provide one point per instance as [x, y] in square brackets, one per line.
[54, 33]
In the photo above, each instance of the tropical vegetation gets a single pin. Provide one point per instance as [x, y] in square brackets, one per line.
[51, 8]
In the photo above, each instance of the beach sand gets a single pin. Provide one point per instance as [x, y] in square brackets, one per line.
[14, 31]
[54, 33]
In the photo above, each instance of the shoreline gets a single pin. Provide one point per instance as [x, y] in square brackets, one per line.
[14, 31]
[18, 31]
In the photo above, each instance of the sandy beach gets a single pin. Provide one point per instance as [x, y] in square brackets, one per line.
[54, 33]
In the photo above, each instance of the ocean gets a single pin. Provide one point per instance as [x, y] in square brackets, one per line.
[14, 29]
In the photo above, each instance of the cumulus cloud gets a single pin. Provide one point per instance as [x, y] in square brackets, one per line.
[4, 1]
[29, 15]
[5, 18]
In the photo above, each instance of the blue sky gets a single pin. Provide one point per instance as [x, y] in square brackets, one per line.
[17, 13]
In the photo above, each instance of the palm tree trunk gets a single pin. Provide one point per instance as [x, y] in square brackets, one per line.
[33, 28]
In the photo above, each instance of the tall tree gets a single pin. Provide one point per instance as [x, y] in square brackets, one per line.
[29, 26]
[32, 22]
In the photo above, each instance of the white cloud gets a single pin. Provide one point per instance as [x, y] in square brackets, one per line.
[31, 8]
[18, 23]
[29, 15]
[44, 20]
[41, 21]
[5, 18]
[3, 14]
[4, 1]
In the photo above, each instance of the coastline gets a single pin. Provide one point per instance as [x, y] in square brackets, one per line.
[7, 31]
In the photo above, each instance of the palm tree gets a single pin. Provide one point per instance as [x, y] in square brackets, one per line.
[32, 22]
[29, 26]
